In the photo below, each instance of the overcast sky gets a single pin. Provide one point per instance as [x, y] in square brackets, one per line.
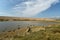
[30, 8]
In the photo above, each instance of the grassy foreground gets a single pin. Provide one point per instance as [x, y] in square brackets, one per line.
[51, 32]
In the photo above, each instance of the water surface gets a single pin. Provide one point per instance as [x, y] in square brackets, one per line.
[10, 25]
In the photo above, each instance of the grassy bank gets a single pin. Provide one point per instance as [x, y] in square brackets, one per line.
[51, 32]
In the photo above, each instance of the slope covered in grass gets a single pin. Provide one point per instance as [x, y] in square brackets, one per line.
[49, 33]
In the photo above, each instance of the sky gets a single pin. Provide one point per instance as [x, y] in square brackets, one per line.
[30, 8]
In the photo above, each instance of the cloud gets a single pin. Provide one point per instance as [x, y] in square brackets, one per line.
[31, 8]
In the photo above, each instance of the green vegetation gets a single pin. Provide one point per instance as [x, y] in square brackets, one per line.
[50, 33]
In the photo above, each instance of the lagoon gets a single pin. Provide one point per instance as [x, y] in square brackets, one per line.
[10, 25]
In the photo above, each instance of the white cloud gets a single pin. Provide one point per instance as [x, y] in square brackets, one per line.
[33, 7]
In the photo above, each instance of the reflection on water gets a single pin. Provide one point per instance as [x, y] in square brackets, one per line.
[15, 24]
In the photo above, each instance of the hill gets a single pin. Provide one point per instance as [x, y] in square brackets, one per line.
[6, 18]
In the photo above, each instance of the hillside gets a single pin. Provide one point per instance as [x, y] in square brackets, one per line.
[3, 18]
[33, 33]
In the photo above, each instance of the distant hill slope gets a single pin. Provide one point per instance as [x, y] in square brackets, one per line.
[3, 18]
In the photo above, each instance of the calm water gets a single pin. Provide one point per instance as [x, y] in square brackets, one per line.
[15, 24]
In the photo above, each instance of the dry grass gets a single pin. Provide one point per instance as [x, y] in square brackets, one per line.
[51, 32]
